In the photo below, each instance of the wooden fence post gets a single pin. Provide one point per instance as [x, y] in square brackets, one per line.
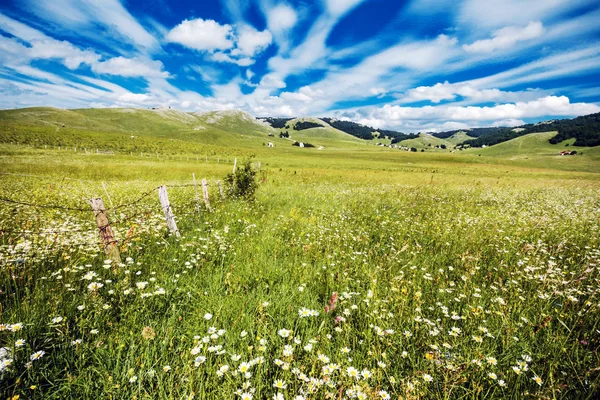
[221, 190]
[106, 234]
[166, 206]
[197, 197]
[234, 165]
[205, 193]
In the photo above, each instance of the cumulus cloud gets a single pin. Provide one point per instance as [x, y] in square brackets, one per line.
[131, 67]
[443, 117]
[506, 38]
[227, 43]
[250, 41]
[450, 91]
[202, 35]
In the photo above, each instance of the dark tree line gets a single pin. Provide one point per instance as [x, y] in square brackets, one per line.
[366, 132]
[301, 125]
[277, 123]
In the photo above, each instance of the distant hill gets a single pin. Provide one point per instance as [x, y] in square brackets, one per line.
[585, 130]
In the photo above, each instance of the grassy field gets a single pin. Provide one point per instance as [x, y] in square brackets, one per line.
[358, 272]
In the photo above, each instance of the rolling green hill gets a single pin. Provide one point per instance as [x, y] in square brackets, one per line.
[133, 130]
[425, 141]
[459, 137]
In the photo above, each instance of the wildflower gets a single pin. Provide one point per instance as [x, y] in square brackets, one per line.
[208, 316]
[133, 379]
[288, 350]
[246, 396]
[244, 367]
[427, 378]
[166, 368]
[19, 343]
[345, 350]
[76, 342]
[404, 354]
[517, 370]
[148, 333]
[151, 373]
[81, 307]
[491, 360]
[501, 383]
[284, 333]
[537, 380]
[243, 334]
[95, 286]
[94, 331]
[352, 372]
[323, 358]
[366, 374]
[332, 303]
[278, 396]
[478, 339]
[199, 360]
[279, 384]
[384, 395]
[454, 331]
[89, 276]
[141, 285]
[37, 355]
[492, 375]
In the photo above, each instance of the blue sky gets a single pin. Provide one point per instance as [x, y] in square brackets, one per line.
[405, 65]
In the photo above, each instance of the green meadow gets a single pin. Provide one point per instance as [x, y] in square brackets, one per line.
[356, 272]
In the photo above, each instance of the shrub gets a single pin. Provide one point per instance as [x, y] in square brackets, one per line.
[242, 183]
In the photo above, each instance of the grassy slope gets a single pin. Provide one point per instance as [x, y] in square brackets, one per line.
[458, 137]
[424, 140]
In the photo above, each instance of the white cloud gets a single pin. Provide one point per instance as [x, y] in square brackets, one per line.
[250, 41]
[506, 38]
[450, 91]
[93, 18]
[131, 67]
[339, 7]
[202, 35]
[378, 91]
[224, 58]
[435, 117]
[272, 81]
[281, 18]
[71, 56]
[491, 14]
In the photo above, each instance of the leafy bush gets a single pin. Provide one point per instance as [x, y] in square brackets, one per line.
[242, 183]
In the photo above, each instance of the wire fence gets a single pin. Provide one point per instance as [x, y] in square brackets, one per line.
[118, 218]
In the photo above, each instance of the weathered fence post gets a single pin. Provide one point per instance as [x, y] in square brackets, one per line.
[220, 190]
[234, 165]
[166, 206]
[205, 193]
[197, 197]
[259, 165]
[106, 234]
